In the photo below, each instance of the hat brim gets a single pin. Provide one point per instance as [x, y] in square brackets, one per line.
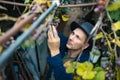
[75, 25]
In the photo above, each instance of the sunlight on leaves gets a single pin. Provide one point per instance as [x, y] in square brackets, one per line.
[117, 42]
[99, 35]
[65, 18]
[88, 75]
[85, 70]
[114, 6]
[48, 3]
[116, 26]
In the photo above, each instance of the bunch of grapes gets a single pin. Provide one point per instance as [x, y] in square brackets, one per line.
[109, 71]
[100, 6]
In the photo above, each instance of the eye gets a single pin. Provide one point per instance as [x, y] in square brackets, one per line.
[78, 37]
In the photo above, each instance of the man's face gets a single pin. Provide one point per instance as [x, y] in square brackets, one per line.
[76, 39]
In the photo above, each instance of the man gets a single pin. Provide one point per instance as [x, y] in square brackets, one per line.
[63, 49]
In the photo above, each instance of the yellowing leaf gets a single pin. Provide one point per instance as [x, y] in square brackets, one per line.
[85, 70]
[77, 64]
[117, 42]
[116, 26]
[67, 64]
[80, 71]
[88, 65]
[41, 1]
[48, 3]
[1, 49]
[99, 35]
[65, 18]
[114, 6]
[88, 75]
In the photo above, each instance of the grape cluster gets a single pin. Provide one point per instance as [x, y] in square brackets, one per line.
[109, 71]
[100, 6]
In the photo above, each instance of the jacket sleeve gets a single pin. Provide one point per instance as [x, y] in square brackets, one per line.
[56, 63]
[58, 69]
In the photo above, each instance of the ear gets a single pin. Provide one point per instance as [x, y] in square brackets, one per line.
[86, 45]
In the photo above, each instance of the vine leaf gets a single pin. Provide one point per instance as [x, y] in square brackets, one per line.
[48, 3]
[100, 74]
[117, 42]
[99, 35]
[86, 70]
[65, 18]
[69, 67]
[114, 6]
[116, 26]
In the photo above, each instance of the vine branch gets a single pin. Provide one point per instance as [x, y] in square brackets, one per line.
[6, 17]
[61, 6]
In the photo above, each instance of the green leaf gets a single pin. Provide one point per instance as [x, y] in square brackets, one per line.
[99, 76]
[27, 1]
[115, 15]
[98, 69]
[70, 69]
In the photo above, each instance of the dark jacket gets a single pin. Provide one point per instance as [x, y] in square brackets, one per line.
[56, 64]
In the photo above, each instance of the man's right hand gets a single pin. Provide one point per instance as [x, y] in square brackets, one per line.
[53, 41]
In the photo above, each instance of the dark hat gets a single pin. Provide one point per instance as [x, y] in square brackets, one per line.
[86, 27]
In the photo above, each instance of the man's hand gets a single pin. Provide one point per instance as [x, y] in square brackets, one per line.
[53, 41]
